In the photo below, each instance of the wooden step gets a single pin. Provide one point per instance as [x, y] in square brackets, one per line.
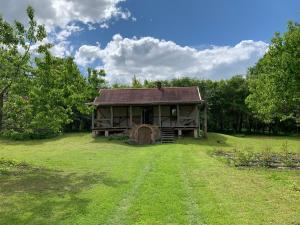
[167, 135]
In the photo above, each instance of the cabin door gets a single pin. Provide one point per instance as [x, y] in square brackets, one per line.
[147, 115]
[144, 135]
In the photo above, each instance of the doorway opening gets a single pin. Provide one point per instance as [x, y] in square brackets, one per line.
[147, 115]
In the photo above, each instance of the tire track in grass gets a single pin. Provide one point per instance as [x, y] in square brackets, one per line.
[193, 215]
[119, 214]
[161, 199]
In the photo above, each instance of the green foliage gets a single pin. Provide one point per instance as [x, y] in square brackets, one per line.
[266, 157]
[243, 157]
[18, 115]
[274, 82]
[8, 167]
[136, 83]
[42, 94]
[287, 157]
[15, 57]
[247, 157]
[95, 81]
[57, 92]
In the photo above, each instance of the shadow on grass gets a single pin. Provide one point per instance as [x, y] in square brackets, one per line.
[30, 195]
[30, 142]
[213, 140]
[122, 142]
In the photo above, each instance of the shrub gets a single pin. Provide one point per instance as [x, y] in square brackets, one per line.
[15, 135]
[266, 157]
[244, 157]
[6, 165]
[118, 138]
[218, 152]
[287, 158]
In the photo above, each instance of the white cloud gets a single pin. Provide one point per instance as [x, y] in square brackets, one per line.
[87, 54]
[60, 13]
[104, 25]
[60, 17]
[59, 49]
[62, 49]
[151, 58]
[68, 31]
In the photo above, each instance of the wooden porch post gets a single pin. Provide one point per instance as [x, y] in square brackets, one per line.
[199, 119]
[130, 116]
[178, 115]
[111, 116]
[196, 132]
[159, 116]
[197, 115]
[205, 120]
[93, 118]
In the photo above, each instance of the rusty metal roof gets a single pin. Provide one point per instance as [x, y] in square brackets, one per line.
[141, 96]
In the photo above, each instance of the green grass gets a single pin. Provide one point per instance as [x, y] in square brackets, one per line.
[75, 179]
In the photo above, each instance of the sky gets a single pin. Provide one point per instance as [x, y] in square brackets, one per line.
[160, 39]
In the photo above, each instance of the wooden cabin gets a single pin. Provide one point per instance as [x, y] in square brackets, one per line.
[150, 114]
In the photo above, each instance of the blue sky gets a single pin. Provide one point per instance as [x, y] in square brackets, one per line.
[198, 23]
[160, 39]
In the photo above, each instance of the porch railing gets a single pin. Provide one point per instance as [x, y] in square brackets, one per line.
[124, 122]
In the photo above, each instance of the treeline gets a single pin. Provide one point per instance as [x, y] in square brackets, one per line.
[42, 95]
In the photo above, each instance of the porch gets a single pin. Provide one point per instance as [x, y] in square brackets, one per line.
[177, 116]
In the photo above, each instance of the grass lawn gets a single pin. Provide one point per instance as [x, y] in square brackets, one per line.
[75, 179]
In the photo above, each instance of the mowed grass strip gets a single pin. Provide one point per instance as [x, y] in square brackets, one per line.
[75, 179]
[227, 195]
[161, 198]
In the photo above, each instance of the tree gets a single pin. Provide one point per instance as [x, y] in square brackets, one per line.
[95, 81]
[81, 118]
[274, 82]
[57, 95]
[15, 53]
[136, 83]
[58, 91]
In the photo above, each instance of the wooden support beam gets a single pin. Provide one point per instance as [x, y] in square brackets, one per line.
[199, 118]
[178, 115]
[111, 117]
[159, 116]
[195, 133]
[197, 115]
[130, 116]
[179, 132]
[93, 119]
